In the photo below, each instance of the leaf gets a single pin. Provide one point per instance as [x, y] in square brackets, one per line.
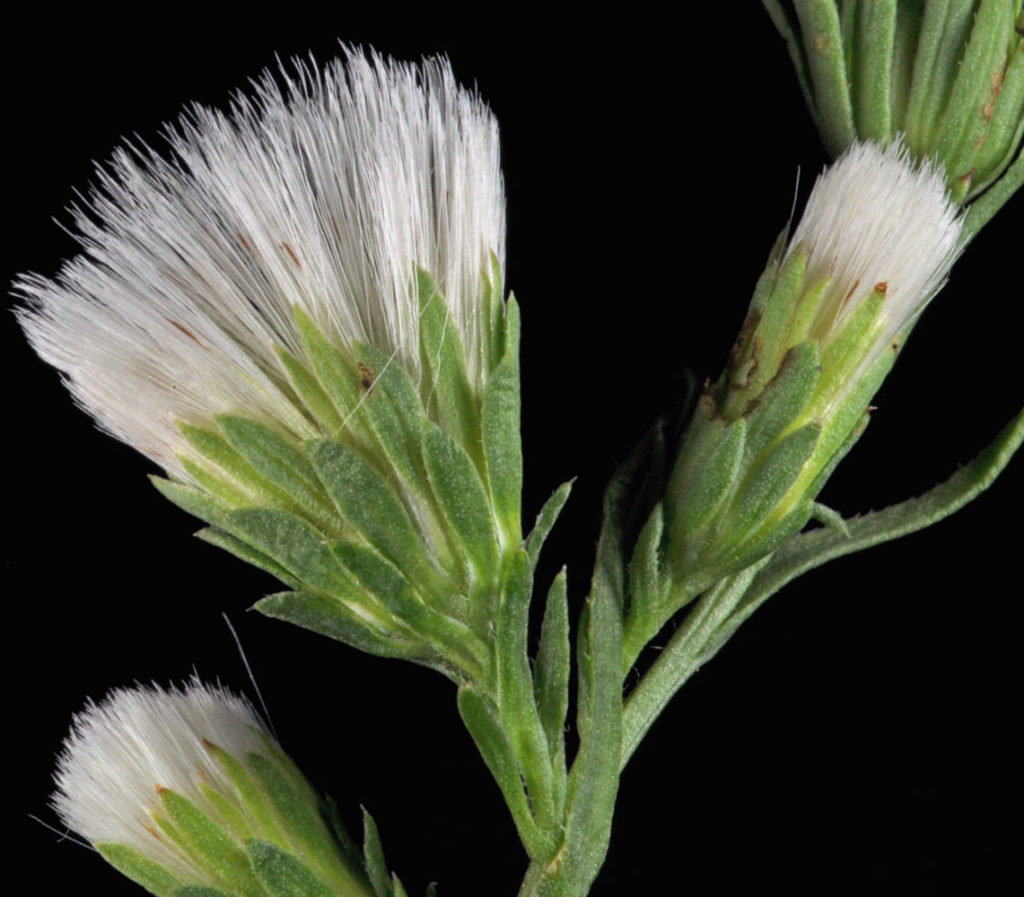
[393, 410]
[517, 708]
[811, 549]
[500, 429]
[295, 803]
[191, 500]
[449, 396]
[823, 45]
[290, 542]
[546, 520]
[480, 717]
[872, 62]
[647, 590]
[363, 497]
[206, 842]
[309, 390]
[283, 875]
[140, 869]
[282, 464]
[200, 891]
[245, 552]
[462, 498]
[373, 857]
[333, 619]
[394, 591]
[551, 682]
[593, 781]
[782, 403]
[760, 498]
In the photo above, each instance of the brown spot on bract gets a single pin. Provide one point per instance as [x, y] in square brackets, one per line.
[288, 249]
[243, 241]
[882, 287]
[821, 43]
[365, 376]
[160, 789]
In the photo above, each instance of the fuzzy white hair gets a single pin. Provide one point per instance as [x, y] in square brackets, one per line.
[323, 193]
[876, 217]
[138, 740]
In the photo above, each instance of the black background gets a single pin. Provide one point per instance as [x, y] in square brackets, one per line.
[855, 737]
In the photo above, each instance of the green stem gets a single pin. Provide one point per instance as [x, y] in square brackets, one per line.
[680, 658]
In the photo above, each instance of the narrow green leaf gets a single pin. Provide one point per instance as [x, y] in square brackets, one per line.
[546, 520]
[784, 401]
[227, 491]
[706, 483]
[551, 672]
[480, 717]
[872, 62]
[823, 44]
[140, 869]
[462, 498]
[944, 31]
[335, 620]
[252, 797]
[336, 375]
[373, 857]
[290, 542]
[593, 781]
[295, 803]
[502, 444]
[245, 552]
[647, 589]
[309, 390]
[200, 891]
[448, 392]
[517, 708]
[280, 462]
[909, 14]
[208, 844]
[283, 875]
[392, 408]
[790, 34]
[363, 497]
[976, 87]
[394, 591]
[191, 500]
[1005, 126]
[814, 548]
[762, 493]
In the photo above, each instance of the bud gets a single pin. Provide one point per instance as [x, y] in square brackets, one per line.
[947, 78]
[300, 319]
[876, 242]
[182, 789]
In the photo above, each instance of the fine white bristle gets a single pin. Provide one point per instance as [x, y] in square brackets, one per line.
[323, 193]
[877, 217]
[137, 740]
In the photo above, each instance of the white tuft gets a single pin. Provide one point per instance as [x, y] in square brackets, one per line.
[321, 194]
[138, 739]
[876, 217]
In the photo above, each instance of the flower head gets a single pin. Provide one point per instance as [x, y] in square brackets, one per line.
[300, 317]
[184, 786]
[876, 241]
[321, 196]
